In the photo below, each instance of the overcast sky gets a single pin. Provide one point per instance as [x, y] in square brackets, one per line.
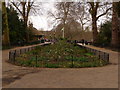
[43, 20]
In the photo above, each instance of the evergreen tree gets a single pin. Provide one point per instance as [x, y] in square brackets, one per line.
[104, 36]
[16, 27]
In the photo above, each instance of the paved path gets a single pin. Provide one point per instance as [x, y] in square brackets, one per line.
[23, 77]
[113, 55]
[10, 72]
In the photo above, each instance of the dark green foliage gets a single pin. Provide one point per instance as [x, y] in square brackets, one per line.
[59, 55]
[81, 59]
[16, 27]
[104, 36]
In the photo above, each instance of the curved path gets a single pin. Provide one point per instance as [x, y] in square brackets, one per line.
[23, 77]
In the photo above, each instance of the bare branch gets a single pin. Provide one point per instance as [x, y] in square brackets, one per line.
[17, 7]
[104, 13]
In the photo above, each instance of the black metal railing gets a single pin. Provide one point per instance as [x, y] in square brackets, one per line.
[102, 55]
[15, 53]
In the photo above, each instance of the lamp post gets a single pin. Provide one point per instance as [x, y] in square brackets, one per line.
[63, 32]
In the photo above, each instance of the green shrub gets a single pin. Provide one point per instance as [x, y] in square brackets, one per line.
[104, 36]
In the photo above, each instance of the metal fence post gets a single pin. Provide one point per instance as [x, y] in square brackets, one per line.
[10, 56]
[36, 60]
[72, 62]
[104, 55]
[99, 55]
[14, 56]
[20, 51]
[107, 58]
[25, 50]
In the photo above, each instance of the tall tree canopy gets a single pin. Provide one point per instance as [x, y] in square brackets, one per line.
[16, 27]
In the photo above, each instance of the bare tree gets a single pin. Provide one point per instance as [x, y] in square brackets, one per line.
[95, 7]
[63, 14]
[79, 12]
[25, 7]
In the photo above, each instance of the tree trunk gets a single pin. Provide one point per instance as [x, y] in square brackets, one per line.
[118, 12]
[25, 18]
[115, 27]
[93, 11]
[94, 28]
[119, 32]
[27, 31]
[26, 28]
[6, 41]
